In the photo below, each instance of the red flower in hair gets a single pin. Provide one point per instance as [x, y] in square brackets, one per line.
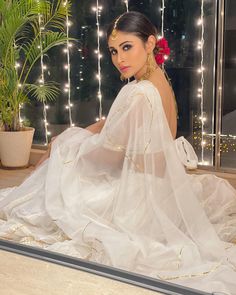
[159, 59]
[163, 51]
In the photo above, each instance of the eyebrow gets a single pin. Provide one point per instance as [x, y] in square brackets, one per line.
[120, 44]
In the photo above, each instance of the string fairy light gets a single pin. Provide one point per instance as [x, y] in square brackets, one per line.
[127, 5]
[162, 18]
[202, 117]
[42, 78]
[67, 87]
[17, 65]
[162, 9]
[98, 10]
[199, 133]
[81, 79]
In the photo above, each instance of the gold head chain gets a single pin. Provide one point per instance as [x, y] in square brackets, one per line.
[114, 31]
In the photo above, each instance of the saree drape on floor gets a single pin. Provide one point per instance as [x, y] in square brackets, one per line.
[123, 198]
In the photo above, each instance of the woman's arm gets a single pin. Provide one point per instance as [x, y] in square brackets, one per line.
[96, 127]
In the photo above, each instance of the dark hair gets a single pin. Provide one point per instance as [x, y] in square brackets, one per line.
[134, 22]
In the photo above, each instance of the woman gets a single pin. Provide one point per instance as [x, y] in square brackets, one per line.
[121, 196]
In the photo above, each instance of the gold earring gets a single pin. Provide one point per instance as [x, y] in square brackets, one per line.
[151, 63]
[151, 66]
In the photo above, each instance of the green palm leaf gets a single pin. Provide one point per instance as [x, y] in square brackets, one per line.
[46, 92]
[21, 36]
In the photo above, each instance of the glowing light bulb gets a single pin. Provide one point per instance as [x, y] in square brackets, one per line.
[203, 119]
[200, 70]
[199, 22]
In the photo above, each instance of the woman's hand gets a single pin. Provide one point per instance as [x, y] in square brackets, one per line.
[96, 127]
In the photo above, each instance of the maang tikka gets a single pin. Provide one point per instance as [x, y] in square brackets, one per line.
[114, 30]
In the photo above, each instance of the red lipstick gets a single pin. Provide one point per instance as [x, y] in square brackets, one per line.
[124, 69]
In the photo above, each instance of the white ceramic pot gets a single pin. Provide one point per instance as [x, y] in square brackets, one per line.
[15, 147]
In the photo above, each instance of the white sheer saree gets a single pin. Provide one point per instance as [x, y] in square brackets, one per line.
[122, 198]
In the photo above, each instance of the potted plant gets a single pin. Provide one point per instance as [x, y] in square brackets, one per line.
[28, 29]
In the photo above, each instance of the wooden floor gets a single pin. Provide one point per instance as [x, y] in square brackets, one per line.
[9, 177]
[21, 275]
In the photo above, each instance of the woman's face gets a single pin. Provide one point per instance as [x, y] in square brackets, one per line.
[129, 54]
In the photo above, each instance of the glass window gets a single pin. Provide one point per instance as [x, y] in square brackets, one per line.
[228, 135]
[193, 89]
[190, 28]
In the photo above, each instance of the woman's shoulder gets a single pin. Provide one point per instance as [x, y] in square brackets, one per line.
[147, 87]
[137, 92]
[133, 93]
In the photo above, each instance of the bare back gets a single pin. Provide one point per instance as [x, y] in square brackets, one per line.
[168, 100]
